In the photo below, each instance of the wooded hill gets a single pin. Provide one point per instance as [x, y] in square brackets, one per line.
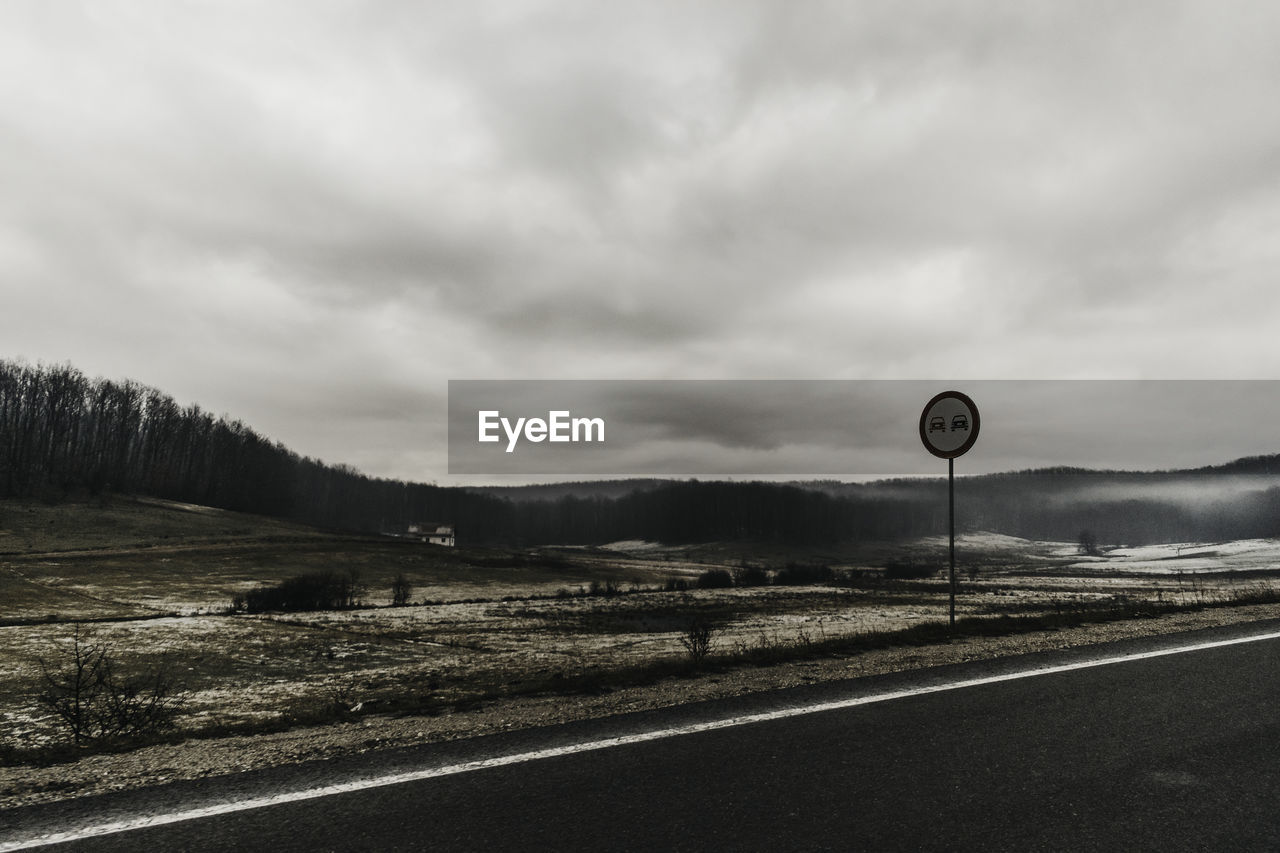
[63, 435]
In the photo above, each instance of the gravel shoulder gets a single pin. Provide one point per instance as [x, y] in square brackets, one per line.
[197, 758]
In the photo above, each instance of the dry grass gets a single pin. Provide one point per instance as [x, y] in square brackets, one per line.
[155, 581]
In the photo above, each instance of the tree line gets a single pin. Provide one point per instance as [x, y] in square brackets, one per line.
[62, 433]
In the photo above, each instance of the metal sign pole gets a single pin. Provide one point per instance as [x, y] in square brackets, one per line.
[951, 511]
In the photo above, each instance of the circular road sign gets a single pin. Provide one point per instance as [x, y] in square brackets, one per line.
[949, 425]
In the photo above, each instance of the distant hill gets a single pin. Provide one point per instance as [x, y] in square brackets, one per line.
[63, 435]
[1268, 466]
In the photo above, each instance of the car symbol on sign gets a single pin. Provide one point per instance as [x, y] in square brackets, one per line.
[960, 422]
[936, 424]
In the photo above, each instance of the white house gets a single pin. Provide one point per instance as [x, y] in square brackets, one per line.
[433, 533]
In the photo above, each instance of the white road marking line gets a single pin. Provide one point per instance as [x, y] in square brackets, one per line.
[590, 746]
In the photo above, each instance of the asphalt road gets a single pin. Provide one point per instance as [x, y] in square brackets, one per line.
[1174, 752]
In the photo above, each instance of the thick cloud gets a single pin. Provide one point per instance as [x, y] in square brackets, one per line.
[311, 215]
[852, 428]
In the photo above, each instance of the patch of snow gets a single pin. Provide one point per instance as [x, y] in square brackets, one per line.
[633, 546]
[1179, 557]
[988, 541]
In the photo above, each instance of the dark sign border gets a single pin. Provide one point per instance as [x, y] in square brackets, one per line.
[973, 432]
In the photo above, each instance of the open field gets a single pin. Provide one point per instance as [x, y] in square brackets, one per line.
[155, 581]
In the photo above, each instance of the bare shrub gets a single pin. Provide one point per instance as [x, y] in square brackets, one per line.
[697, 640]
[71, 686]
[605, 587]
[400, 590]
[94, 699]
[344, 702]
[140, 704]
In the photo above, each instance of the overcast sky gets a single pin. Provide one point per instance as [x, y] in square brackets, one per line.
[311, 215]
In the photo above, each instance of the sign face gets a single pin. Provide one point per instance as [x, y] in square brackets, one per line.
[949, 425]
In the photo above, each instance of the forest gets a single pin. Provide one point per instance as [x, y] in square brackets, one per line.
[64, 437]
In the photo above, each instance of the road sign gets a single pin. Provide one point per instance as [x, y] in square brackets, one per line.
[949, 425]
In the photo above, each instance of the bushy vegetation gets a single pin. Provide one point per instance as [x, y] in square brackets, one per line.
[605, 587]
[746, 575]
[909, 569]
[313, 591]
[801, 574]
[715, 579]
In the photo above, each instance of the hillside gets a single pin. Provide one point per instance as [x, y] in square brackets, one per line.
[117, 522]
[65, 437]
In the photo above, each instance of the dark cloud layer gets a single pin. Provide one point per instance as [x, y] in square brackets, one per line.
[312, 215]
[853, 427]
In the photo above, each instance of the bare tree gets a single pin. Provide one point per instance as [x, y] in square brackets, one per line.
[400, 590]
[1088, 544]
[95, 700]
[142, 703]
[72, 686]
[352, 588]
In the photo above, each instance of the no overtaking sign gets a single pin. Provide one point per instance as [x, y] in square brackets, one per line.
[949, 425]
